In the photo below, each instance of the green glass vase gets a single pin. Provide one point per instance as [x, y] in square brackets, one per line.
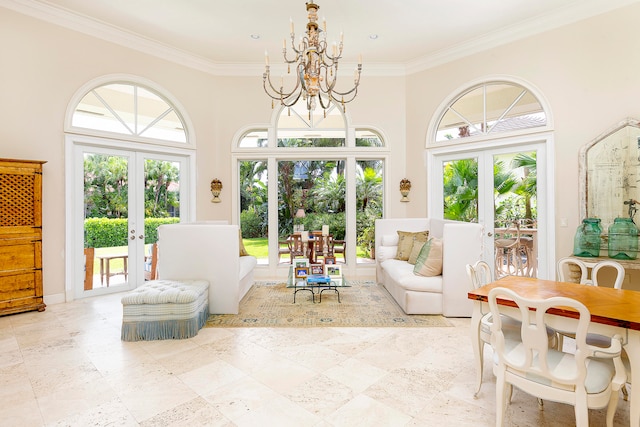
[623, 239]
[587, 240]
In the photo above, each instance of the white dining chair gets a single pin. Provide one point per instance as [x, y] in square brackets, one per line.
[567, 265]
[617, 284]
[535, 367]
[594, 339]
[479, 275]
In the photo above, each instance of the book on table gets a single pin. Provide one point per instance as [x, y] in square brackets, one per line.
[318, 279]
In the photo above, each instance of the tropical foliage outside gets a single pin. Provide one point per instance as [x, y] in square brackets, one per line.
[515, 188]
[106, 188]
[317, 187]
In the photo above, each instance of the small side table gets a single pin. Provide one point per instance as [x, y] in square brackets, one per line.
[105, 270]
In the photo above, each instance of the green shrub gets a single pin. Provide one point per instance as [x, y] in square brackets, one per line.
[252, 225]
[109, 232]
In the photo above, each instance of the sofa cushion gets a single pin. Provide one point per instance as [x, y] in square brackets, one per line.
[384, 253]
[389, 240]
[405, 242]
[429, 262]
[401, 273]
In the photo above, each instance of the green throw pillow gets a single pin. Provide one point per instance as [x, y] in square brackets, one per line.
[429, 261]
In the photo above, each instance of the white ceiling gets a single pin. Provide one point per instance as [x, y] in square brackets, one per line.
[216, 34]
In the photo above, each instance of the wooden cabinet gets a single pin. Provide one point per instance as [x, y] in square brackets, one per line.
[20, 236]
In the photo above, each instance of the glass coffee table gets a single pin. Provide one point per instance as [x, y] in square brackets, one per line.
[301, 284]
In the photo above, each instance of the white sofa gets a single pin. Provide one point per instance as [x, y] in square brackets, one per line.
[445, 294]
[207, 251]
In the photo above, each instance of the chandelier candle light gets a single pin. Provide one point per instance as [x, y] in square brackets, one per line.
[316, 68]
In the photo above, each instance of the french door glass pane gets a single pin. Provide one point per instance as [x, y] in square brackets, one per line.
[254, 203]
[515, 214]
[106, 212]
[161, 206]
[460, 190]
[311, 193]
[369, 203]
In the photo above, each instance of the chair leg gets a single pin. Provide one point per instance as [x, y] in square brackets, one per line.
[582, 413]
[611, 409]
[477, 345]
[501, 398]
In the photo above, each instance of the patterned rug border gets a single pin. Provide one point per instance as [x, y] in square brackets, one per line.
[270, 305]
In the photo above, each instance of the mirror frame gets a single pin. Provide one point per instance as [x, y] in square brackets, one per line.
[583, 166]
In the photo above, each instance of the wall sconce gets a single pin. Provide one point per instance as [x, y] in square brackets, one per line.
[216, 188]
[405, 187]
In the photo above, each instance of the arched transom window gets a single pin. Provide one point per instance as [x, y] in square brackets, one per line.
[488, 109]
[129, 109]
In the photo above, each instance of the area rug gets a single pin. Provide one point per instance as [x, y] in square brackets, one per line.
[364, 304]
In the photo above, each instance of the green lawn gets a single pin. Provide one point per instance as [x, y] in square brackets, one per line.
[258, 247]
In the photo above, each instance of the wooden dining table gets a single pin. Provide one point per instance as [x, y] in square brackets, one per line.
[613, 311]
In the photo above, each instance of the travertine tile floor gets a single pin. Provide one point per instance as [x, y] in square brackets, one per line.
[67, 367]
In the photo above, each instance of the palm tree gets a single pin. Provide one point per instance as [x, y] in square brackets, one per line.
[368, 188]
[460, 188]
[528, 187]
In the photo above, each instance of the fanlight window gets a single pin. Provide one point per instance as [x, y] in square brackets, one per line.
[491, 108]
[298, 127]
[255, 138]
[129, 109]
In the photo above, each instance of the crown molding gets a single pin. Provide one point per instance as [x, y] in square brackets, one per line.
[568, 15]
[73, 21]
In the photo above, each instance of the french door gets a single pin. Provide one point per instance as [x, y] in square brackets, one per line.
[120, 197]
[505, 189]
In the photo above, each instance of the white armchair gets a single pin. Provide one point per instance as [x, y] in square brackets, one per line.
[207, 251]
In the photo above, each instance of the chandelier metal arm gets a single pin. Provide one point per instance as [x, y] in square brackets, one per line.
[279, 94]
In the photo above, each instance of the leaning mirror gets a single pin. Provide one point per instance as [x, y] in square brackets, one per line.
[610, 174]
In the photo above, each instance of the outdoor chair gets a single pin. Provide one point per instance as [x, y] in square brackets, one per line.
[283, 248]
[339, 247]
[298, 248]
[151, 263]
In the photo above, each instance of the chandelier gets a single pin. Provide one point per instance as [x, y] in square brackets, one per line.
[316, 69]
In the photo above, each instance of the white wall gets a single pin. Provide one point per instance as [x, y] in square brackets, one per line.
[588, 71]
[43, 65]
[590, 74]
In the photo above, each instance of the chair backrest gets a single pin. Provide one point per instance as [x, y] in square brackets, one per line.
[297, 246]
[506, 234]
[617, 284]
[565, 263]
[532, 356]
[479, 274]
[323, 245]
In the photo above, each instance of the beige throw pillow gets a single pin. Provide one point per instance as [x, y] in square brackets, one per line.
[417, 246]
[243, 251]
[429, 262]
[405, 242]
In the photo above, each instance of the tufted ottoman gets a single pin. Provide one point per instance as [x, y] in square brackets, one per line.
[165, 309]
